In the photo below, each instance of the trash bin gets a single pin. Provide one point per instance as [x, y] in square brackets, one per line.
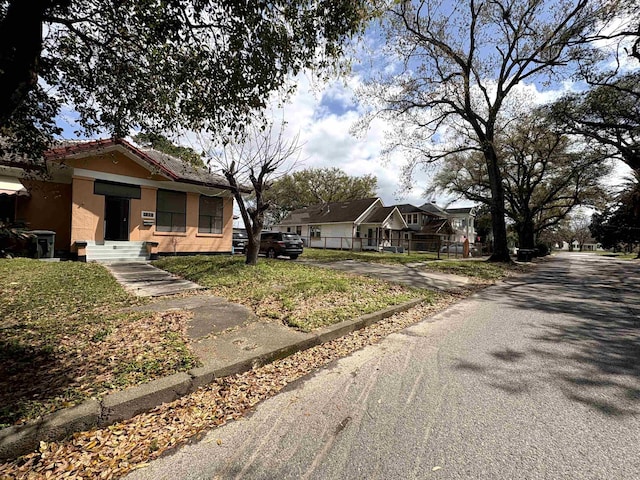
[525, 254]
[45, 241]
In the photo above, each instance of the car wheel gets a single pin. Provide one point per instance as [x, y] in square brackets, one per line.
[271, 253]
[293, 257]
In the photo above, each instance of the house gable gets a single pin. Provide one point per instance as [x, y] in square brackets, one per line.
[386, 217]
[336, 212]
[434, 209]
[377, 204]
[113, 162]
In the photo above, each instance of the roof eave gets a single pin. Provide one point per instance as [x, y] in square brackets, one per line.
[83, 148]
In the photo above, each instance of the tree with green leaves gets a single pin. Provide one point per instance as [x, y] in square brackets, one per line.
[458, 64]
[619, 224]
[156, 65]
[607, 114]
[314, 186]
[544, 176]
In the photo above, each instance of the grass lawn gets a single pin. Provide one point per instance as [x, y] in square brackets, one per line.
[64, 338]
[301, 296]
[470, 268]
[373, 257]
[620, 255]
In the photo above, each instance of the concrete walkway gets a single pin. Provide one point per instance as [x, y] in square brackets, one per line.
[144, 280]
[410, 274]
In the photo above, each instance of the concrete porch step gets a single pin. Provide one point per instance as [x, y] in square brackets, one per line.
[112, 251]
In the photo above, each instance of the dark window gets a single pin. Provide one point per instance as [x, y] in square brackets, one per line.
[7, 208]
[210, 215]
[171, 211]
[113, 189]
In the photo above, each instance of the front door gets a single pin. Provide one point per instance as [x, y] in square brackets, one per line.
[116, 218]
[370, 237]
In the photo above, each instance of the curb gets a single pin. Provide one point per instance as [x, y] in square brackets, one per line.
[118, 406]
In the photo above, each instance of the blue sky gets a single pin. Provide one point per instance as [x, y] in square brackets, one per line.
[324, 114]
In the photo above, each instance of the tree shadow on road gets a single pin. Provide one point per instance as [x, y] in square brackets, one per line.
[589, 347]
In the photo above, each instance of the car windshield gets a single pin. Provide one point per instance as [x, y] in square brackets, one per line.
[240, 235]
[290, 236]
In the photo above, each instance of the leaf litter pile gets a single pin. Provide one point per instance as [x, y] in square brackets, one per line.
[112, 451]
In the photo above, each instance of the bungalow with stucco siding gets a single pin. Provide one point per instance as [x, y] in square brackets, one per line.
[110, 199]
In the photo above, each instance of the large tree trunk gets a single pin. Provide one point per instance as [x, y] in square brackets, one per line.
[253, 232]
[253, 248]
[526, 236]
[20, 50]
[500, 246]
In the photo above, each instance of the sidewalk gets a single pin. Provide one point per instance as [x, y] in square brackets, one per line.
[144, 280]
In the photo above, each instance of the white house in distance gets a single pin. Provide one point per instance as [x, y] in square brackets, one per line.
[354, 225]
[462, 221]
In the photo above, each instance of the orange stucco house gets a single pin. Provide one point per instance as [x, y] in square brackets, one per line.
[111, 200]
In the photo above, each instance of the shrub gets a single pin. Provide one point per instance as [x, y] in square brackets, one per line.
[543, 249]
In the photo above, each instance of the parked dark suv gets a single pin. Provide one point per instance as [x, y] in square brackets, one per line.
[274, 244]
[240, 241]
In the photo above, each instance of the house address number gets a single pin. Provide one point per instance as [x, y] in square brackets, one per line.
[148, 218]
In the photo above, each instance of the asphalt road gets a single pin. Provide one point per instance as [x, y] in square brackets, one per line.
[535, 378]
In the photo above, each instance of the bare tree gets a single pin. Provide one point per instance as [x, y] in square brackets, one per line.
[579, 225]
[250, 164]
[544, 176]
[458, 63]
[575, 229]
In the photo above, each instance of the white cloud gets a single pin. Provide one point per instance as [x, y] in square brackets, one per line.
[324, 115]
[328, 142]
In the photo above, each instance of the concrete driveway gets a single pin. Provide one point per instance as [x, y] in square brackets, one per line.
[410, 274]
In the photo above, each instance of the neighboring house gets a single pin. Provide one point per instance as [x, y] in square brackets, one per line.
[109, 194]
[434, 209]
[426, 230]
[357, 224]
[462, 221]
[590, 245]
